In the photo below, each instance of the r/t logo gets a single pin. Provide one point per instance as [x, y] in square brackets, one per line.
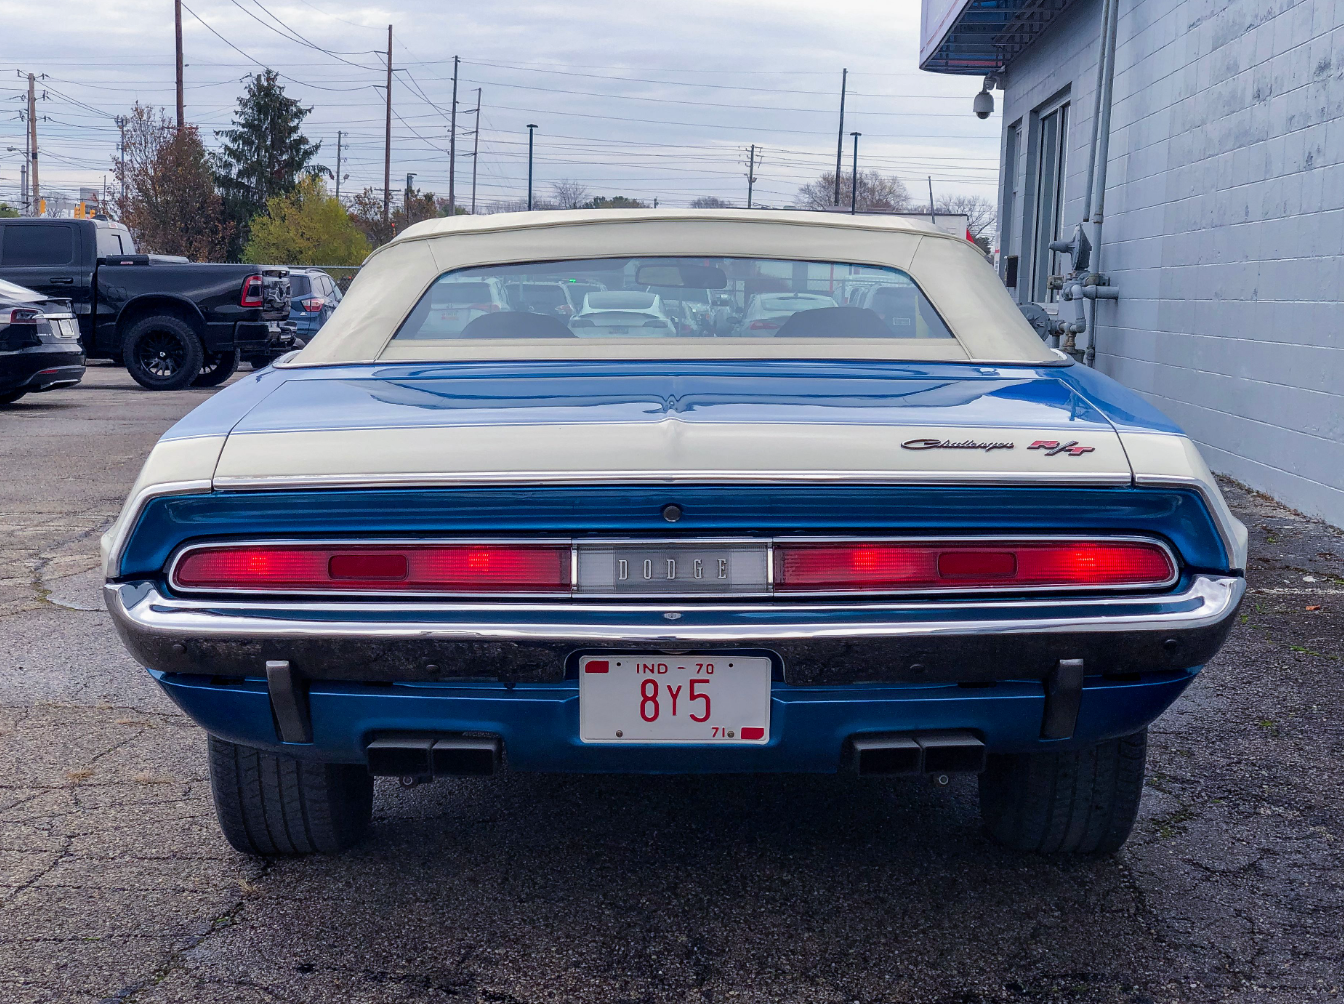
[1054, 446]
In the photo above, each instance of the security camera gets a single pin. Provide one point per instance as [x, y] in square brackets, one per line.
[983, 105]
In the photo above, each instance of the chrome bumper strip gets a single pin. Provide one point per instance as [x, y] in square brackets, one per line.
[817, 642]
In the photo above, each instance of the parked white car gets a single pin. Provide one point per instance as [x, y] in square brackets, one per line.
[622, 312]
[453, 305]
[767, 312]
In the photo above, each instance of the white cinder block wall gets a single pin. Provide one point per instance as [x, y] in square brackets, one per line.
[1224, 225]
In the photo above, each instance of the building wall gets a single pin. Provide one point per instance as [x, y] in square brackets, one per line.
[1224, 223]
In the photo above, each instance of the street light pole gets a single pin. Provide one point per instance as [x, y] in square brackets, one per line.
[531, 131]
[854, 177]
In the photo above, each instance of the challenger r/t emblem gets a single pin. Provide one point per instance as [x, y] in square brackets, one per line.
[1053, 447]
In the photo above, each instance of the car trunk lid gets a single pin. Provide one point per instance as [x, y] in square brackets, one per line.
[783, 421]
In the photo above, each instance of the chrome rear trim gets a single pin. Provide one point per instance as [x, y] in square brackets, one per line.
[140, 609]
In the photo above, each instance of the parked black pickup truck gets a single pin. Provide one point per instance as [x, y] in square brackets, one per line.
[173, 323]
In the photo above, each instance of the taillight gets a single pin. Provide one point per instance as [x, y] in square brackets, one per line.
[763, 326]
[313, 304]
[22, 315]
[913, 565]
[489, 308]
[429, 568]
[252, 292]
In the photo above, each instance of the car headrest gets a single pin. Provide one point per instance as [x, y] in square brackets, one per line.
[517, 324]
[834, 322]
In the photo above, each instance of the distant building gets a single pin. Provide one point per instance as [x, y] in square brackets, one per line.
[1223, 227]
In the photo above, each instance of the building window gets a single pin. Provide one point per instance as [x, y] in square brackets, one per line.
[1051, 146]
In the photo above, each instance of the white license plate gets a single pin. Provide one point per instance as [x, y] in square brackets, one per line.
[674, 699]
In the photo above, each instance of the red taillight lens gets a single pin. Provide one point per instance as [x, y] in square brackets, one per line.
[763, 326]
[876, 567]
[252, 287]
[312, 304]
[22, 315]
[437, 568]
[489, 308]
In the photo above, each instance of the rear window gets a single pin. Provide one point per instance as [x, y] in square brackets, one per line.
[299, 285]
[29, 244]
[795, 303]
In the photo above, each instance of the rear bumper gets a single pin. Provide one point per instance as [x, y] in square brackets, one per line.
[539, 723]
[42, 367]
[816, 643]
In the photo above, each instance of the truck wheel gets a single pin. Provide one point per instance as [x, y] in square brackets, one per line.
[269, 804]
[1074, 801]
[162, 353]
[216, 368]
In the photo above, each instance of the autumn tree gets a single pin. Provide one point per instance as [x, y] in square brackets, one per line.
[168, 195]
[876, 192]
[366, 213]
[264, 153]
[981, 214]
[306, 227]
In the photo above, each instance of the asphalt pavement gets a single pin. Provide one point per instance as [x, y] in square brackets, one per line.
[116, 885]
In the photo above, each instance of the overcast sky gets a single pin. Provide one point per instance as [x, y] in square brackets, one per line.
[652, 100]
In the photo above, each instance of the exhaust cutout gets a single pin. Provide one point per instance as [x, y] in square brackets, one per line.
[955, 751]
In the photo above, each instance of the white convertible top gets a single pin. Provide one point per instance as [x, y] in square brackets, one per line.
[951, 272]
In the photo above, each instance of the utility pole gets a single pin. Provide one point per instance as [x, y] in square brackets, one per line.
[32, 145]
[930, 198]
[387, 136]
[854, 177]
[840, 136]
[338, 164]
[452, 146]
[531, 131]
[751, 173]
[121, 121]
[475, 149]
[177, 25]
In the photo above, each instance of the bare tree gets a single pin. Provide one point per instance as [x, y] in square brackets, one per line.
[711, 202]
[981, 214]
[169, 200]
[876, 192]
[569, 194]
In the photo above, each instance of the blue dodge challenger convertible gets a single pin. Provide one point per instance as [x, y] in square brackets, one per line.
[873, 524]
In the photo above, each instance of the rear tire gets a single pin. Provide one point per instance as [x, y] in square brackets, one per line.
[269, 804]
[162, 353]
[1081, 801]
[217, 367]
[10, 396]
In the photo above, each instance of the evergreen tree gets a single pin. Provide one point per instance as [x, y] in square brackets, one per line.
[265, 153]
